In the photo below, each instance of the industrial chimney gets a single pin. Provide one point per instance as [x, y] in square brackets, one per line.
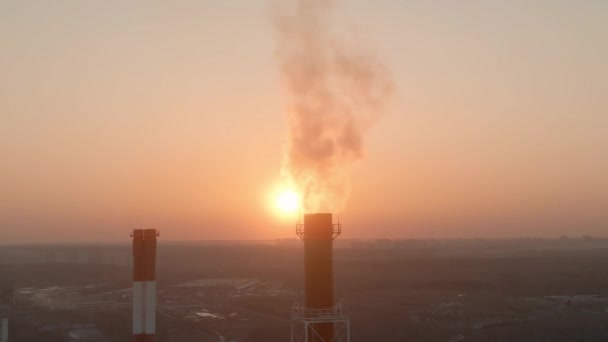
[144, 285]
[320, 319]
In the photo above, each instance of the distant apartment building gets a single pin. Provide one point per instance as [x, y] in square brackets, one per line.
[3, 328]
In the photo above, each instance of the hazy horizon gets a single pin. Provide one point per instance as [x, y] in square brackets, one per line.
[121, 115]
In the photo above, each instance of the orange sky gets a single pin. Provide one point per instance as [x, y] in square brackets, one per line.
[119, 115]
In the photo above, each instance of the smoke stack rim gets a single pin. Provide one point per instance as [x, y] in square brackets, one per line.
[150, 233]
[137, 232]
[318, 226]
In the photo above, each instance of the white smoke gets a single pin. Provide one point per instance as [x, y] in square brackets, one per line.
[338, 90]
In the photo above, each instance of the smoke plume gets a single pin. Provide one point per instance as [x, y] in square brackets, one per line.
[338, 90]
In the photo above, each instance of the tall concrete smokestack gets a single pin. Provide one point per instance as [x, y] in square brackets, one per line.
[318, 269]
[138, 285]
[320, 317]
[144, 285]
[318, 261]
[150, 284]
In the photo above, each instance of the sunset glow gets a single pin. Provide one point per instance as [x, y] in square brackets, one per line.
[288, 202]
[221, 120]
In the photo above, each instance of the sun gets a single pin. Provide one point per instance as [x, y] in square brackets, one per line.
[288, 201]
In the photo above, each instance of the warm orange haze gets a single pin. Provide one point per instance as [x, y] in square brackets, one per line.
[468, 119]
[303, 170]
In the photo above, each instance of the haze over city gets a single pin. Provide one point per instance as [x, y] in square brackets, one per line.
[116, 115]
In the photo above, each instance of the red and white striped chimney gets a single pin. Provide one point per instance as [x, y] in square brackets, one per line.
[138, 285]
[150, 284]
[144, 285]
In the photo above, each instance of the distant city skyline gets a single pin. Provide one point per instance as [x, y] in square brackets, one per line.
[121, 115]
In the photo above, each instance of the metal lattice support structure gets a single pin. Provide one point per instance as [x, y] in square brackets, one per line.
[304, 323]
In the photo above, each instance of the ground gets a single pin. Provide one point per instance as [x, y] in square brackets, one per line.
[415, 290]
